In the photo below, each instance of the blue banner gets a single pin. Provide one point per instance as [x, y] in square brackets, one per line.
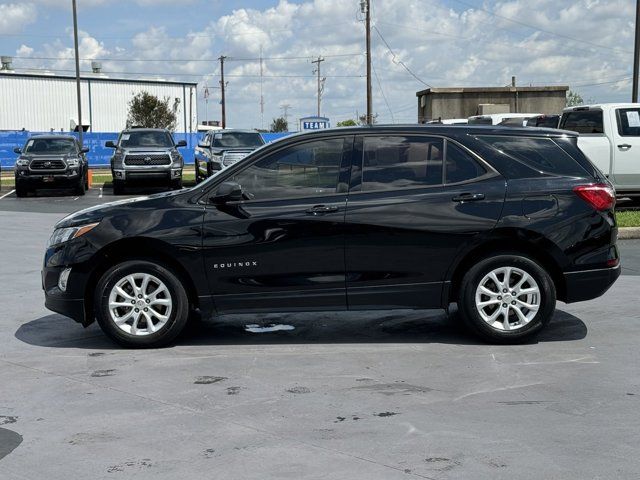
[98, 155]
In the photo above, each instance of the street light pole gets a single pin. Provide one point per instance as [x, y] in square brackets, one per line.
[222, 86]
[365, 6]
[78, 92]
[636, 54]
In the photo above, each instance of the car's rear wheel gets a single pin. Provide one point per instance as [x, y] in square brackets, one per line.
[141, 304]
[507, 298]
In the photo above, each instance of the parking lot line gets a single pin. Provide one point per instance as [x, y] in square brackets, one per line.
[7, 194]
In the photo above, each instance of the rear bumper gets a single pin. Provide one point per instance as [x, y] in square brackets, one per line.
[589, 284]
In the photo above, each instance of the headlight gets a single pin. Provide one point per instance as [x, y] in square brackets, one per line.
[61, 235]
[73, 162]
[22, 162]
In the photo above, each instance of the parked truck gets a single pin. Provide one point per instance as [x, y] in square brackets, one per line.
[610, 137]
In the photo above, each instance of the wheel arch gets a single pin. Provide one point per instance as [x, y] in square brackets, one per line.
[514, 241]
[136, 248]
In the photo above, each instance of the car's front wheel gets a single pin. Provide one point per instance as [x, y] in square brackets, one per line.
[141, 304]
[507, 298]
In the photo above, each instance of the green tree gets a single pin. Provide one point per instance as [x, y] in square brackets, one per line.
[347, 123]
[280, 124]
[148, 111]
[574, 98]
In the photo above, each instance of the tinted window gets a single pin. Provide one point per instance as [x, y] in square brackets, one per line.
[460, 166]
[583, 121]
[396, 162]
[629, 122]
[50, 146]
[481, 121]
[238, 139]
[142, 138]
[305, 170]
[540, 154]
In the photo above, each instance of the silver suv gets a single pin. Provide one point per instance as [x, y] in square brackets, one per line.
[146, 154]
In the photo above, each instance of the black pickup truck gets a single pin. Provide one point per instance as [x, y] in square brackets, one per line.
[51, 161]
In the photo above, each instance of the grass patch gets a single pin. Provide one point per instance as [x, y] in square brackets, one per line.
[628, 219]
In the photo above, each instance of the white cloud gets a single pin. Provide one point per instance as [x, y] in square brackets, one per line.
[15, 16]
[586, 44]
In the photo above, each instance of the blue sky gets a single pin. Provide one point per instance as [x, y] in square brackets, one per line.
[586, 44]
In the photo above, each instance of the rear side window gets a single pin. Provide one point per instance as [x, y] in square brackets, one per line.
[583, 121]
[397, 162]
[541, 154]
[460, 166]
[629, 122]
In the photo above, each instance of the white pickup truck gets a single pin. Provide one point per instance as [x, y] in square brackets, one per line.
[610, 137]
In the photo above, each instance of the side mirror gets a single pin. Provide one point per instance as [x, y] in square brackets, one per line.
[227, 192]
[181, 143]
[17, 150]
[110, 144]
[84, 150]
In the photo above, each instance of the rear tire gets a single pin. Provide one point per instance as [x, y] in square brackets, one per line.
[160, 307]
[506, 298]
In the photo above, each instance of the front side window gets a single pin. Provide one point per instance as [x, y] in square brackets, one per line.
[629, 122]
[583, 121]
[50, 146]
[142, 139]
[306, 170]
[398, 162]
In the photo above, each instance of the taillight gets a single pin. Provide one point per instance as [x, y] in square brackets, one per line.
[600, 196]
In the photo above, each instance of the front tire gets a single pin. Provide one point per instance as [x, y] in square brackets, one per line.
[21, 190]
[118, 187]
[507, 298]
[81, 187]
[141, 304]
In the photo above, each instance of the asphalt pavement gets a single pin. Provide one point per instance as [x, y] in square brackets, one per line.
[369, 395]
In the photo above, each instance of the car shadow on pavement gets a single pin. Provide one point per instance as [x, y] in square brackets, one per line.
[406, 326]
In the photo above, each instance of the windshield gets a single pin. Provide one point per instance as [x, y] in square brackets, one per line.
[481, 121]
[50, 146]
[237, 139]
[146, 139]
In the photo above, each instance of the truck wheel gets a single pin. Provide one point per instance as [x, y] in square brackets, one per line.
[506, 298]
[81, 187]
[176, 184]
[197, 171]
[21, 190]
[141, 304]
[118, 187]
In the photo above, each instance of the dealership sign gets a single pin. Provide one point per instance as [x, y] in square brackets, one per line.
[314, 123]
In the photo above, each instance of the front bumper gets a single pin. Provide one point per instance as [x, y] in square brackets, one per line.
[131, 174]
[54, 179]
[589, 284]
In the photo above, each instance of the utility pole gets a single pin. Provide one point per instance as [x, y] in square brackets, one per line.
[285, 111]
[365, 7]
[636, 60]
[318, 61]
[222, 86]
[78, 92]
[261, 92]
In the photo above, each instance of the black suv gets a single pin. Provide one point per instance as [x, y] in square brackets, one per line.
[51, 161]
[146, 154]
[222, 148]
[501, 221]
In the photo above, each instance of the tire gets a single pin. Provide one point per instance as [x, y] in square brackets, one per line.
[176, 184]
[81, 187]
[198, 179]
[477, 315]
[21, 190]
[118, 187]
[135, 331]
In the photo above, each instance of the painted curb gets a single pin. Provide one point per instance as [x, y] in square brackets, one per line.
[628, 233]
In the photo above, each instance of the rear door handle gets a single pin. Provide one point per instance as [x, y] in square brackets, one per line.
[322, 209]
[468, 197]
[624, 146]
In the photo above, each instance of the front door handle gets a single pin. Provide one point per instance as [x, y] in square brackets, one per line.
[624, 146]
[322, 209]
[468, 197]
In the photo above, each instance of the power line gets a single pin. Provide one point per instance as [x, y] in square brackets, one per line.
[375, 73]
[399, 62]
[177, 60]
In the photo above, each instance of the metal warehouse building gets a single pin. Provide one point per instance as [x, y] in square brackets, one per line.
[42, 103]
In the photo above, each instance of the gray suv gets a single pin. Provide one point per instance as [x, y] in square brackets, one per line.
[146, 154]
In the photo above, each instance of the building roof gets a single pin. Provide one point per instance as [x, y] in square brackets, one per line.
[551, 88]
[95, 78]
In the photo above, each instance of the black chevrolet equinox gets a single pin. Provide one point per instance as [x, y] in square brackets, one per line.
[501, 221]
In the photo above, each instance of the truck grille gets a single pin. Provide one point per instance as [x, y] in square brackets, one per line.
[43, 164]
[229, 158]
[152, 159]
